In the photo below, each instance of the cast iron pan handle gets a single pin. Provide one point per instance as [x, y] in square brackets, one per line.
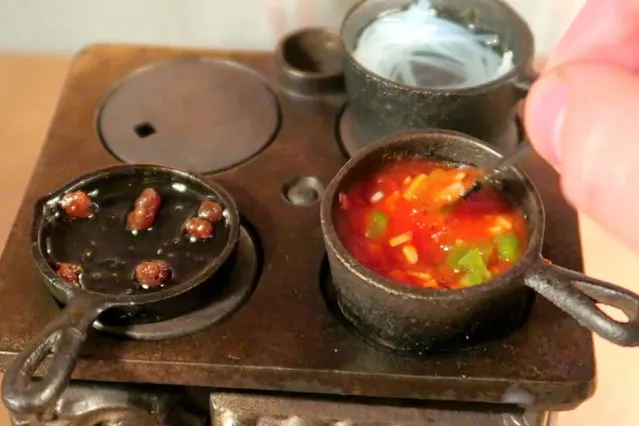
[63, 338]
[578, 294]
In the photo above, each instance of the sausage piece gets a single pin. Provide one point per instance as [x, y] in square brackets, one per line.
[139, 220]
[146, 207]
[149, 200]
[202, 226]
[210, 210]
[198, 228]
[76, 204]
[70, 272]
[152, 273]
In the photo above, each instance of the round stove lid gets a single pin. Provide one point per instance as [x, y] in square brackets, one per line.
[193, 113]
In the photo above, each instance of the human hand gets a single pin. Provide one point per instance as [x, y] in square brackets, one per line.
[582, 115]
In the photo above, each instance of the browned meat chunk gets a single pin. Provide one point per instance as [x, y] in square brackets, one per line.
[70, 272]
[198, 228]
[149, 200]
[139, 220]
[146, 207]
[210, 210]
[77, 204]
[152, 273]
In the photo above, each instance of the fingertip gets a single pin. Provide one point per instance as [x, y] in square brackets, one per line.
[544, 115]
[599, 153]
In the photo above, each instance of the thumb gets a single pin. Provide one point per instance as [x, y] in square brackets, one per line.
[583, 118]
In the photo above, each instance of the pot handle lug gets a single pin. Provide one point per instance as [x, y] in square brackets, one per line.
[578, 295]
[522, 84]
[63, 339]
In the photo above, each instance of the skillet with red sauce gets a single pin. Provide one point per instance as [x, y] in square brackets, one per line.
[412, 273]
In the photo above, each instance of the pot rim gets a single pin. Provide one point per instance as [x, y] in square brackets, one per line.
[519, 70]
[535, 219]
[41, 215]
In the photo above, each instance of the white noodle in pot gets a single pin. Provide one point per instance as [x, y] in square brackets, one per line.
[418, 48]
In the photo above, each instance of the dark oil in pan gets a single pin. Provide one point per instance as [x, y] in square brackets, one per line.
[108, 252]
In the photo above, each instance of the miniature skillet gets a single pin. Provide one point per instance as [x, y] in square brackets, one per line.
[103, 242]
[420, 320]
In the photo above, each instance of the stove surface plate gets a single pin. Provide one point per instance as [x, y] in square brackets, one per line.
[284, 337]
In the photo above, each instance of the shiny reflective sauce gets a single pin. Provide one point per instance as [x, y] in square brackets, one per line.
[134, 236]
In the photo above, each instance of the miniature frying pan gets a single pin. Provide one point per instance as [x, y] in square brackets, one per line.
[109, 253]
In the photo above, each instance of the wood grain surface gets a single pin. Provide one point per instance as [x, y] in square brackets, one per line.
[29, 89]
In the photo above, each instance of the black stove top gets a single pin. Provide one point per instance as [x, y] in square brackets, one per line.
[285, 337]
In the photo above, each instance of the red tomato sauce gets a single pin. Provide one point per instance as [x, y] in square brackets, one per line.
[400, 223]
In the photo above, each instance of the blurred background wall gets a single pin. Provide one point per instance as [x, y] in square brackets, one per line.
[65, 26]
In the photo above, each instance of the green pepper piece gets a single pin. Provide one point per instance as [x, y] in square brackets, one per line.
[471, 279]
[507, 247]
[473, 262]
[454, 256]
[377, 226]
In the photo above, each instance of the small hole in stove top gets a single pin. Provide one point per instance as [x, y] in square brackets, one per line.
[144, 130]
[303, 190]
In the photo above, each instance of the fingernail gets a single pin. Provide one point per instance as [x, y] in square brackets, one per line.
[547, 115]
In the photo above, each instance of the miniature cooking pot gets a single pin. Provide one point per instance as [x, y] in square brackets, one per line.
[419, 320]
[64, 336]
[379, 106]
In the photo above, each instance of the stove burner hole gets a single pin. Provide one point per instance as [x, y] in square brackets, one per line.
[303, 190]
[144, 130]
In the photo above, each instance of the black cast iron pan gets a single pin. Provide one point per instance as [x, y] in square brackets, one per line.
[434, 320]
[108, 254]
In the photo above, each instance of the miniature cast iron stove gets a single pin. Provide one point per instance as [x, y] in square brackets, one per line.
[283, 357]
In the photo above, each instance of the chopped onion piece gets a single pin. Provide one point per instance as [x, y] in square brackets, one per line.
[410, 253]
[450, 192]
[410, 193]
[502, 225]
[421, 275]
[460, 175]
[504, 222]
[377, 197]
[400, 239]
